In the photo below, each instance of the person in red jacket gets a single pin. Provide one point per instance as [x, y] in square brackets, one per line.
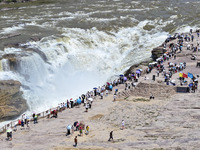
[19, 122]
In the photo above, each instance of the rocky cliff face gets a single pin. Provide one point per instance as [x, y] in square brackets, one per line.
[162, 91]
[12, 103]
[157, 52]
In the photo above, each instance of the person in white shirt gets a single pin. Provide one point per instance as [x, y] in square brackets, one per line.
[114, 97]
[106, 92]
[86, 107]
[101, 95]
[123, 124]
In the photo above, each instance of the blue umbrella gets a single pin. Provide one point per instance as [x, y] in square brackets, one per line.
[121, 75]
[94, 88]
[79, 101]
[190, 85]
[138, 71]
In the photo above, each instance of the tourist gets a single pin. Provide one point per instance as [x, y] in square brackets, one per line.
[86, 107]
[72, 103]
[87, 130]
[33, 115]
[68, 104]
[151, 97]
[27, 121]
[22, 123]
[158, 73]
[56, 113]
[9, 134]
[72, 129]
[101, 95]
[75, 141]
[110, 87]
[114, 97]
[174, 56]
[90, 104]
[35, 119]
[106, 92]
[190, 31]
[77, 126]
[19, 122]
[81, 131]
[85, 101]
[123, 124]
[116, 90]
[24, 118]
[68, 130]
[111, 136]
[192, 37]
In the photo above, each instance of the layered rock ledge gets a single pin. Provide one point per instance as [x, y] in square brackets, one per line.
[12, 104]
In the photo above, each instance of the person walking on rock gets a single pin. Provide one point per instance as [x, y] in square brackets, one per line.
[81, 131]
[87, 130]
[68, 130]
[35, 119]
[75, 141]
[123, 124]
[9, 134]
[86, 107]
[101, 94]
[114, 97]
[111, 136]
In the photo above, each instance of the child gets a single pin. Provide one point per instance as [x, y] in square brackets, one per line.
[87, 130]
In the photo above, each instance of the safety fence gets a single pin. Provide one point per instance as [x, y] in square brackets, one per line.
[43, 114]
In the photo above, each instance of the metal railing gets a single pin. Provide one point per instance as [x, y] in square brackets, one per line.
[39, 116]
